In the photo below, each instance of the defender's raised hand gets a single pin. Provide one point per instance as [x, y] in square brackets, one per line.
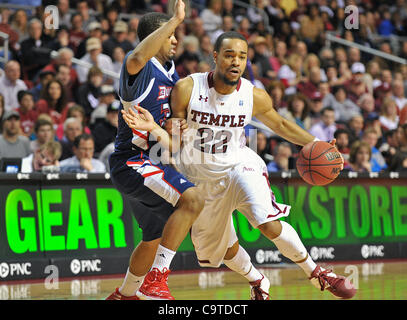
[179, 10]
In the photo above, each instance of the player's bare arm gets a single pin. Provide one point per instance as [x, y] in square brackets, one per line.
[180, 96]
[151, 45]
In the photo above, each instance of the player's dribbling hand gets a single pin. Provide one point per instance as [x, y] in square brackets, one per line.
[333, 142]
[143, 120]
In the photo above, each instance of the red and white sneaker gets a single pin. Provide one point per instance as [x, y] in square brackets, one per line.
[118, 296]
[260, 289]
[155, 286]
[339, 286]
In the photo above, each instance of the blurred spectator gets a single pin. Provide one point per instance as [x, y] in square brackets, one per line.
[315, 107]
[297, 111]
[118, 58]
[399, 160]
[310, 86]
[46, 155]
[75, 111]
[367, 105]
[63, 12]
[187, 64]
[12, 144]
[377, 160]
[95, 57]
[388, 114]
[28, 115]
[261, 58]
[325, 129]
[6, 28]
[107, 96]
[386, 27]
[44, 132]
[94, 31]
[356, 125]
[72, 129]
[76, 32]
[19, 23]
[276, 91]
[112, 16]
[206, 51]
[262, 147]
[373, 69]
[227, 25]
[359, 157]
[83, 161]
[45, 76]
[89, 92]
[279, 57]
[211, 16]
[61, 40]
[282, 154]
[344, 108]
[290, 73]
[311, 61]
[53, 101]
[118, 39]
[342, 143]
[311, 25]
[398, 94]
[244, 27]
[389, 146]
[87, 18]
[105, 131]
[35, 54]
[11, 84]
[70, 88]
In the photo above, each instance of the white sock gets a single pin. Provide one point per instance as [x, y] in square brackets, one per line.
[291, 246]
[241, 264]
[130, 284]
[163, 258]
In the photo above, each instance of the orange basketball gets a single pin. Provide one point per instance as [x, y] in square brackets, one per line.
[319, 163]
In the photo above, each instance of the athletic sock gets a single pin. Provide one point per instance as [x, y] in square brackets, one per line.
[163, 258]
[130, 284]
[241, 264]
[291, 246]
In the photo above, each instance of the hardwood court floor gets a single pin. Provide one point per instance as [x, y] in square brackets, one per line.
[376, 281]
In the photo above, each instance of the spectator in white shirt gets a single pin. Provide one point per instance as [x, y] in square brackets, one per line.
[11, 84]
[95, 57]
[398, 94]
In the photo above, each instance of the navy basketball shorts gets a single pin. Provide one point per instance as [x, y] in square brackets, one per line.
[153, 190]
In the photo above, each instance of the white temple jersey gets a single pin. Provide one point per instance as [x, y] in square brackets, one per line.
[215, 138]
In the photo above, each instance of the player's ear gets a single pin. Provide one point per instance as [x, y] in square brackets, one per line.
[215, 56]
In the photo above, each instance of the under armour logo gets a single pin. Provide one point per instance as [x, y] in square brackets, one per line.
[202, 98]
[162, 255]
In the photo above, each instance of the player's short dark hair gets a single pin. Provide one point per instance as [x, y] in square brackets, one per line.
[149, 23]
[228, 35]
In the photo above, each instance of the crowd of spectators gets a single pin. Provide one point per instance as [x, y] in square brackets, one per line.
[57, 113]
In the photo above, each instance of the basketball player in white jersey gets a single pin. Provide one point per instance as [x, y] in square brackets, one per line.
[230, 176]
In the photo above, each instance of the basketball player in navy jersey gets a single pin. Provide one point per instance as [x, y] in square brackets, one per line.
[217, 106]
[164, 202]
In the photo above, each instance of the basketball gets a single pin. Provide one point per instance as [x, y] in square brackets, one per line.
[319, 163]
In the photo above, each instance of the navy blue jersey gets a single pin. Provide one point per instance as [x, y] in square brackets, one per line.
[150, 89]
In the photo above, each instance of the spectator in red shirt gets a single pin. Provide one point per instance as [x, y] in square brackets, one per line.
[28, 115]
[53, 102]
[76, 33]
[342, 143]
[309, 87]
